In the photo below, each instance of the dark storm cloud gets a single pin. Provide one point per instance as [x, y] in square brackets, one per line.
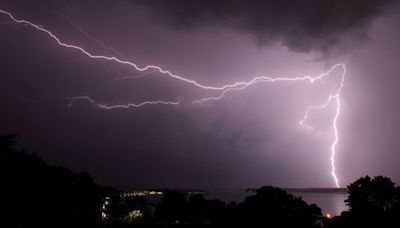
[302, 26]
[250, 138]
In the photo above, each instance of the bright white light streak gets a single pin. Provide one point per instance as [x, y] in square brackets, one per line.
[335, 97]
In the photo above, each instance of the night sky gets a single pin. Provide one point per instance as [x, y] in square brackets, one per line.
[250, 137]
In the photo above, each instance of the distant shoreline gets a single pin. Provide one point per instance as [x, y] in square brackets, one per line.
[309, 190]
[290, 190]
[318, 190]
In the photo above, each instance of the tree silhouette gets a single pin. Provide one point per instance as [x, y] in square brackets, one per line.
[35, 194]
[378, 195]
[375, 200]
[201, 212]
[275, 207]
[171, 209]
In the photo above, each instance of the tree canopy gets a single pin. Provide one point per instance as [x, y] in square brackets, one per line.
[35, 194]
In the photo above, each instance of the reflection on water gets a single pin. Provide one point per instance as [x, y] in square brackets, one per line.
[330, 203]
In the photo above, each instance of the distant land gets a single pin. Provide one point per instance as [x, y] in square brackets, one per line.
[309, 190]
[228, 195]
[201, 191]
[318, 190]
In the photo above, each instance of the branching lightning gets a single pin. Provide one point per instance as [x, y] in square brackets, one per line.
[129, 105]
[332, 98]
[91, 38]
[223, 90]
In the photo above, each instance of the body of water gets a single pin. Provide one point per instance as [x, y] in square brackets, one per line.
[331, 201]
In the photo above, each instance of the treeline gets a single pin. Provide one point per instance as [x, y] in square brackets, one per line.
[373, 202]
[269, 206]
[35, 194]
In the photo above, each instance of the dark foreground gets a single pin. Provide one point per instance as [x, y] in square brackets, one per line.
[35, 194]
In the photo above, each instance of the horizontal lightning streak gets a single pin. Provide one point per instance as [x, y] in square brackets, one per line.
[115, 59]
[87, 98]
[91, 38]
[224, 89]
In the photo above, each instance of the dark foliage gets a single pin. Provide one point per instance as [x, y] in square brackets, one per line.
[372, 202]
[35, 194]
[274, 206]
[269, 207]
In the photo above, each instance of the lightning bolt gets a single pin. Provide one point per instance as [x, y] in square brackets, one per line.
[88, 36]
[129, 105]
[223, 90]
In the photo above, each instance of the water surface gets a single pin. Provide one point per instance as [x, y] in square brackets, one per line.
[331, 201]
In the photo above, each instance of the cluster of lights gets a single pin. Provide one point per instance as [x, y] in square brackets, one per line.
[140, 193]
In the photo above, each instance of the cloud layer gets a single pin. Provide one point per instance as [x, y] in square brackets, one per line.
[302, 26]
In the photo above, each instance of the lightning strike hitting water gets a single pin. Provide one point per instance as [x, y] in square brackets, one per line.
[335, 97]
